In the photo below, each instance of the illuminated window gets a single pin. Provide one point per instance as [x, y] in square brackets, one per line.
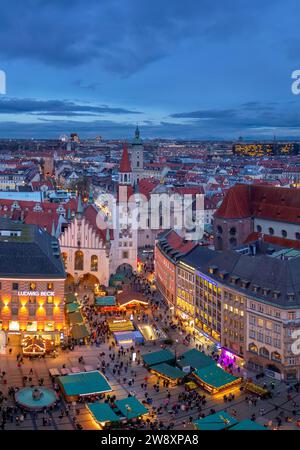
[14, 325]
[31, 326]
[78, 260]
[50, 286]
[32, 286]
[49, 326]
[49, 299]
[94, 263]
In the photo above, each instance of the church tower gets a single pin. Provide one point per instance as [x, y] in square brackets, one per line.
[137, 157]
[125, 171]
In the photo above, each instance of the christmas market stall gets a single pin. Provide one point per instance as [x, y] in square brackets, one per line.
[214, 379]
[215, 422]
[83, 384]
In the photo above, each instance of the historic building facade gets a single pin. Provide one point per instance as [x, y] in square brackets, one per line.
[265, 210]
[32, 280]
[245, 301]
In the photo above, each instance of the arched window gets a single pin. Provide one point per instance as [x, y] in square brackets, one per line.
[219, 229]
[232, 231]
[78, 260]
[271, 231]
[275, 356]
[232, 242]
[64, 258]
[259, 228]
[253, 348]
[264, 352]
[94, 263]
[284, 233]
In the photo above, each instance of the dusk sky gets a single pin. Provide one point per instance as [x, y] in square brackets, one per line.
[178, 68]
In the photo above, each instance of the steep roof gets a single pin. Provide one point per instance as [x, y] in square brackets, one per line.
[125, 165]
[263, 201]
[32, 254]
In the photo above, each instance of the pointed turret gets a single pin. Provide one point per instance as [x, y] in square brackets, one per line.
[69, 216]
[53, 233]
[125, 172]
[79, 206]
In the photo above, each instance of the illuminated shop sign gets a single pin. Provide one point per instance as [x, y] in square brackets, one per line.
[207, 279]
[36, 293]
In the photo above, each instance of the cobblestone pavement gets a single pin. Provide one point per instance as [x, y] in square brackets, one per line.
[41, 368]
[14, 375]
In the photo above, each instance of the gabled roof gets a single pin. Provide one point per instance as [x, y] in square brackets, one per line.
[125, 165]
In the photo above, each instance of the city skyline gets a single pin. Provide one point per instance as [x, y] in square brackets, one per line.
[190, 71]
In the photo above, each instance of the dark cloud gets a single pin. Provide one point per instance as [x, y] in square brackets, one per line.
[250, 115]
[56, 108]
[122, 36]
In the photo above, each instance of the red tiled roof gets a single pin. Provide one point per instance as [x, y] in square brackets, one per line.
[125, 165]
[236, 204]
[282, 242]
[266, 202]
[178, 243]
[193, 190]
[146, 186]
[44, 220]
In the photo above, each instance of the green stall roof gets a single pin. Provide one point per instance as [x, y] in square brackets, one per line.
[217, 421]
[84, 383]
[131, 407]
[162, 356]
[70, 298]
[75, 318]
[72, 307]
[102, 412]
[195, 359]
[79, 331]
[108, 300]
[169, 371]
[248, 424]
[215, 376]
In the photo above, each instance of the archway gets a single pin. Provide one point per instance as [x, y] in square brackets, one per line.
[88, 282]
[125, 269]
[273, 368]
[69, 282]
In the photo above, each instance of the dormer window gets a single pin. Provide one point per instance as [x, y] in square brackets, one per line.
[276, 294]
[245, 284]
[213, 269]
[291, 296]
[234, 279]
[255, 288]
[265, 291]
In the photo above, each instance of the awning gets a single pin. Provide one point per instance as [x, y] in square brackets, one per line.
[84, 383]
[70, 298]
[215, 377]
[162, 356]
[218, 421]
[168, 371]
[247, 424]
[75, 318]
[102, 412]
[195, 359]
[108, 300]
[79, 331]
[131, 407]
[72, 307]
